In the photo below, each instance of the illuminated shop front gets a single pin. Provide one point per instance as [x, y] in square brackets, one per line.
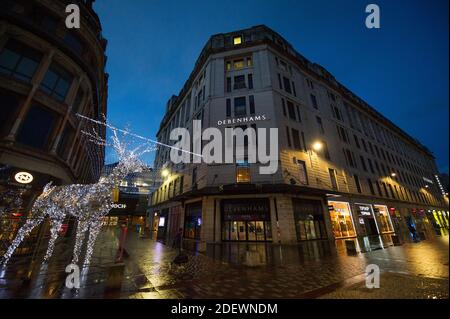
[341, 219]
[193, 220]
[309, 221]
[246, 220]
[439, 221]
[385, 223]
[366, 220]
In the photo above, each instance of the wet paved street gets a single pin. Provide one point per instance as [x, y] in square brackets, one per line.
[309, 270]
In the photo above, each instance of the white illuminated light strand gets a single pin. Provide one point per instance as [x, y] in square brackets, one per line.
[88, 203]
[136, 135]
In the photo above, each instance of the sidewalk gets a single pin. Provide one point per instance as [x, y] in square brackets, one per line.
[308, 270]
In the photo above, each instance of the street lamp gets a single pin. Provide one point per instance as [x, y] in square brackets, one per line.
[393, 174]
[317, 146]
[165, 173]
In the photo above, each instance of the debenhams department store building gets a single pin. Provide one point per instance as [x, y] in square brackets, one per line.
[344, 170]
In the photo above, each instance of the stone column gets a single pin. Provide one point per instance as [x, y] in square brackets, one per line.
[70, 100]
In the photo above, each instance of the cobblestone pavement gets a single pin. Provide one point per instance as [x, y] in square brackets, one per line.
[309, 270]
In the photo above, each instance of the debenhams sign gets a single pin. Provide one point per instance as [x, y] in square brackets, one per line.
[240, 120]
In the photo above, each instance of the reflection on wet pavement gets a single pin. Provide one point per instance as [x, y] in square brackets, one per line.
[232, 270]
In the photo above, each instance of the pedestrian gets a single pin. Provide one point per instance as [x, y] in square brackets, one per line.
[413, 232]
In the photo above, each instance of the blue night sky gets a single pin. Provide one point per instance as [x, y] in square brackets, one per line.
[400, 69]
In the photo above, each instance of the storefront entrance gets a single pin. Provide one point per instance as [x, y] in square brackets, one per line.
[193, 220]
[309, 222]
[246, 220]
[366, 220]
[384, 217]
[341, 219]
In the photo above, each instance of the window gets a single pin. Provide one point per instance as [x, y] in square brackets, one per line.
[237, 40]
[325, 151]
[332, 96]
[364, 144]
[287, 85]
[356, 141]
[296, 139]
[242, 172]
[239, 82]
[370, 166]
[56, 82]
[279, 82]
[310, 84]
[372, 191]
[302, 172]
[304, 142]
[228, 111]
[37, 127]
[228, 87]
[320, 124]
[349, 158]
[77, 106]
[250, 81]
[298, 113]
[357, 183]
[228, 65]
[314, 101]
[379, 189]
[333, 178]
[65, 142]
[363, 163]
[336, 113]
[239, 64]
[291, 110]
[251, 102]
[249, 62]
[342, 134]
[293, 89]
[288, 137]
[240, 106]
[385, 189]
[194, 176]
[9, 104]
[284, 106]
[19, 61]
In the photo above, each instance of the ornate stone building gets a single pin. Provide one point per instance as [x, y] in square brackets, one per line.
[344, 169]
[48, 74]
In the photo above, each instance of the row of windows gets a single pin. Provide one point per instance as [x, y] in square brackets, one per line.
[240, 106]
[239, 64]
[239, 82]
[21, 62]
[390, 191]
[287, 85]
[38, 126]
[374, 150]
[363, 124]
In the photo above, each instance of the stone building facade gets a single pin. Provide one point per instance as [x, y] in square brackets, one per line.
[344, 170]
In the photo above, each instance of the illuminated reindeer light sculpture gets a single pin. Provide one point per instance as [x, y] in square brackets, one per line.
[87, 203]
